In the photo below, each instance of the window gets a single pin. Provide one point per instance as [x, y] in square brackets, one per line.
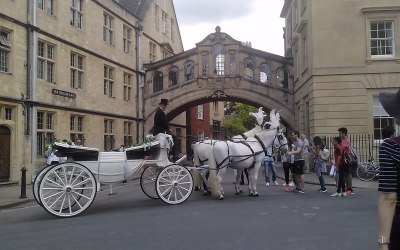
[109, 138]
[128, 141]
[265, 74]
[282, 78]
[5, 49]
[382, 38]
[249, 67]
[215, 107]
[233, 63]
[172, 29]
[127, 39]
[108, 81]
[76, 71]
[157, 17]
[165, 54]
[157, 82]
[6, 113]
[219, 59]
[127, 86]
[45, 131]
[216, 128]
[46, 5]
[200, 112]
[204, 66]
[200, 136]
[305, 55]
[45, 67]
[108, 29]
[164, 22]
[76, 128]
[152, 51]
[173, 76]
[189, 70]
[381, 118]
[76, 13]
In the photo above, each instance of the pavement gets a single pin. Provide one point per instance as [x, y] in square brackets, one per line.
[10, 193]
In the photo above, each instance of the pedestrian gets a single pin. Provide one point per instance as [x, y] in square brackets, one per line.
[306, 150]
[269, 165]
[346, 145]
[318, 148]
[341, 167]
[287, 162]
[161, 126]
[298, 164]
[78, 142]
[389, 180]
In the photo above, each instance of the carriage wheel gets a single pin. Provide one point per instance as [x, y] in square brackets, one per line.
[148, 181]
[67, 189]
[36, 182]
[174, 184]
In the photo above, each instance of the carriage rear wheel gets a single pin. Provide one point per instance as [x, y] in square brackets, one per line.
[67, 189]
[148, 181]
[174, 184]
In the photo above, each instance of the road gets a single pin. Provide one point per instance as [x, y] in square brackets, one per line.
[130, 220]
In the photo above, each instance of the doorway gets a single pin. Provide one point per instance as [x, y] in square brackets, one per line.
[5, 143]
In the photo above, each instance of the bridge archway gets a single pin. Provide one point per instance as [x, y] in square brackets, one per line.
[219, 68]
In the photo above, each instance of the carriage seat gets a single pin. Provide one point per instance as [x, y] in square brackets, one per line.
[112, 166]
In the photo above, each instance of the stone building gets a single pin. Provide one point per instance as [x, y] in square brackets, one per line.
[73, 70]
[344, 53]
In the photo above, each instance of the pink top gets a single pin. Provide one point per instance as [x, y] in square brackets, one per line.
[346, 144]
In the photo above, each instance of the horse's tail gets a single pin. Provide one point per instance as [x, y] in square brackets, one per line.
[198, 181]
[215, 192]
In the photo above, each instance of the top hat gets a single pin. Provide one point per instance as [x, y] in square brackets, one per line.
[164, 102]
[391, 103]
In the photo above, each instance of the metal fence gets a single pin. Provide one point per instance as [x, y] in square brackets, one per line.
[365, 145]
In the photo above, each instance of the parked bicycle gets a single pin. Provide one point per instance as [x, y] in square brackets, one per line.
[367, 171]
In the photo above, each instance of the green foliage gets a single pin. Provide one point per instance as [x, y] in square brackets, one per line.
[241, 121]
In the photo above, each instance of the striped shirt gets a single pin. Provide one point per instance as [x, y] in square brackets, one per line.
[389, 159]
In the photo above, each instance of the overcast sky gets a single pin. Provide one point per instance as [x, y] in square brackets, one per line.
[256, 21]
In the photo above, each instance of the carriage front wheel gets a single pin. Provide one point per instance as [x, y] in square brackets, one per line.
[67, 189]
[174, 184]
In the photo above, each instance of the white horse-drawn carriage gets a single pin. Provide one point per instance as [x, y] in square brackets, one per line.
[68, 189]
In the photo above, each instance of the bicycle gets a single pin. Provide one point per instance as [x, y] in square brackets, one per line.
[367, 171]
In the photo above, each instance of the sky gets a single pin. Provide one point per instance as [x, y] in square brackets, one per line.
[256, 21]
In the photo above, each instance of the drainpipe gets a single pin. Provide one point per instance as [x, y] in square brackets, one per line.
[32, 50]
[139, 86]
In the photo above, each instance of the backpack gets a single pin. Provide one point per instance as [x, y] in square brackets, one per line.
[325, 154]
[354, 156]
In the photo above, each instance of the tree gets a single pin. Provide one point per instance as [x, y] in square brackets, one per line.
[241, 121]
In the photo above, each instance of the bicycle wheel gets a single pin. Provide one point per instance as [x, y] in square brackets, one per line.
[366, 172]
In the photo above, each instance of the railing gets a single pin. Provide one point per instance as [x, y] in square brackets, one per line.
[364, 144]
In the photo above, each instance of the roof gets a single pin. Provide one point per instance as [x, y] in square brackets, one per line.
[136, 7]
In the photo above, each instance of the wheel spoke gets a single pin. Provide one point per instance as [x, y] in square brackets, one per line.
[76, 178]
[48, 197]
[56, 200]
[77, 202]
[56, 174]
[82, 195]
[72, 175]
[166, 190]
[50, 180]
[62, 204]
[82, 182]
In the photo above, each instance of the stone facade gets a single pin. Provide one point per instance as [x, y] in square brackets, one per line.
[337, 71]
[73, 71]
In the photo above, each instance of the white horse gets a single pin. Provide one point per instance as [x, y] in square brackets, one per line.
[201, 150]
[245, 154]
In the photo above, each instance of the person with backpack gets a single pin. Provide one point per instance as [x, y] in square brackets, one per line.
[389, 180]
[341, 167]
[318, 150]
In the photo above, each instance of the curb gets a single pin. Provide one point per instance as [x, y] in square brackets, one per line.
[15, 204]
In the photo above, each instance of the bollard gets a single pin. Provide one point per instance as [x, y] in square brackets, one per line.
[23, 183]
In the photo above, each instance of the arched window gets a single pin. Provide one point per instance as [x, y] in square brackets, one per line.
[249, 67]
[219, 59]
[189, 70]
[173, 76]
[282, 78]
[265, 74]
[157, 81]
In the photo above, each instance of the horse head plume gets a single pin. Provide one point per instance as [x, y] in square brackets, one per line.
[259, 115]
[274, 119]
